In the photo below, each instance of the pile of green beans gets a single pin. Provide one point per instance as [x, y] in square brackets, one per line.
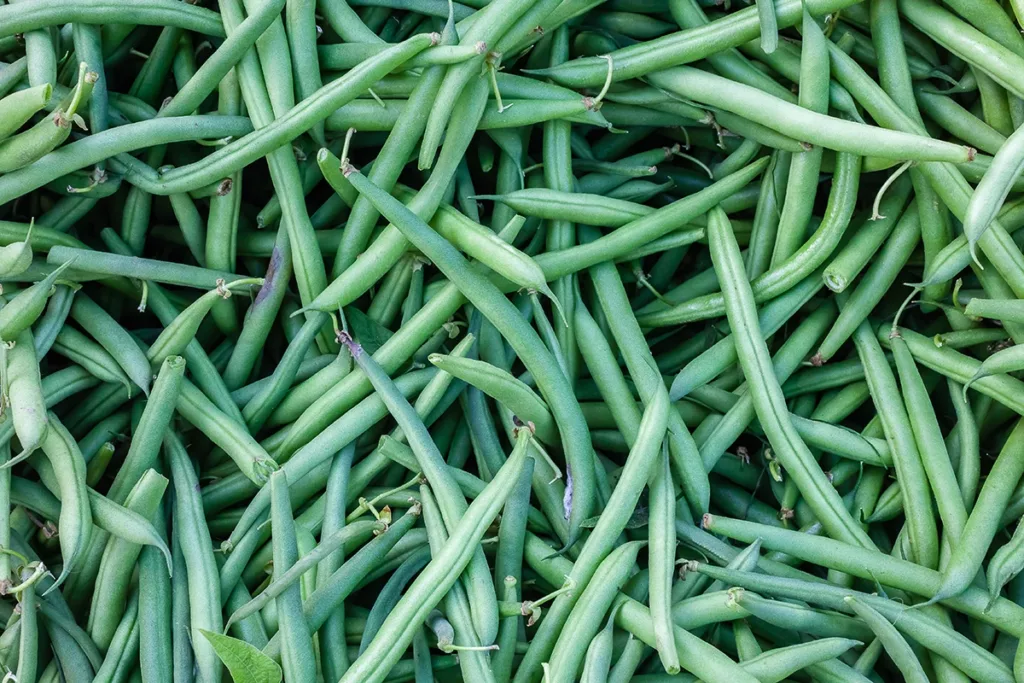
[511, 341]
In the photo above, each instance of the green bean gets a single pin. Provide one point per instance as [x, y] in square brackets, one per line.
[155, 639]
[391, 158]
[963, 40]
[250, 457]
[472, 662]
[1005, 564]
[800, 618]
[981, 525]
[498, 255]
[927, 433]
[78, 348]
[524, 340]
[297, 649]
[28, 645]
[113, 338]
[1000, 309]
[75, 516]
[766, 392]
[591, 209]
[17, 108]
[857, 253]
[906, 452]
[846, 136]
[313, 455]
[140, 268]
[1002, 361]
[645, 450]
[804, 167]
[288, 577]
[347, 577]
[723, 433]
[120, 658]
[391, 593]
[488, 26]
[201, 569]
[994, 187]
[501, 386]
[869, 564]
[149, 433]
[23, 309]
[440, 574]
[950, 186]
[661, 560]
[881, 274]
[28, 405]
[689, 15]
[34, 14]
[598, 661]
[450, 500]
[959, 122]
[237, 154]
[915, 623]
[119, 560]
[584, 622]
[259, 408]
[641, 365]
[808, 258]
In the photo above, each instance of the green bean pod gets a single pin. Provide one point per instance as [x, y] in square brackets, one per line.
[994, 187]
[176, 336]
[804, 167]
[17, 108]
[450, 499]
[78, 348]
[24, 148]
[502, 386]
[22, 311]
[25, 391]
[118, 563]
[440, 574]
[201, 568]
[297, 650]
[252, 460]
[112, 337]
[1006, 563]
[766, 392]
[597, 663]
[28, 642]
[483, 294]
[15, 258]
[76, 516]
[349, 576]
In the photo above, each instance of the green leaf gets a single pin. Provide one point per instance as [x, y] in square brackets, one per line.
[636, 520]
[245, 663]
[370, 334]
